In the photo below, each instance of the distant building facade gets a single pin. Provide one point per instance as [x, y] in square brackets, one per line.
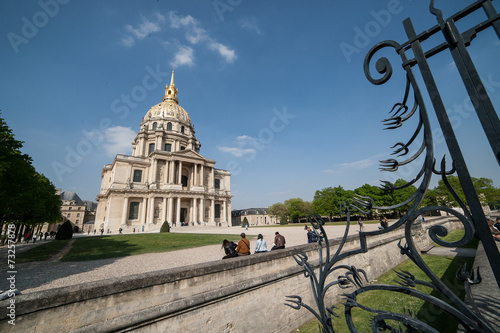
[165, 179]
[75, 210]
[254, 216]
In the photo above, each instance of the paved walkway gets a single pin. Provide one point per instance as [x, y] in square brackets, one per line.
[35, 276]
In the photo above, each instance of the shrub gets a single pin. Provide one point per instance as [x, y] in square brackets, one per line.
[283, 220]
[165, 227]
[65, 231]
[244, 223]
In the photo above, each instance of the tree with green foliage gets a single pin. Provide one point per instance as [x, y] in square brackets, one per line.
[328, 200]
[297, 208]
[165, 227]
[487, 193]
[21, 184]
[279, 210]
[245, 222]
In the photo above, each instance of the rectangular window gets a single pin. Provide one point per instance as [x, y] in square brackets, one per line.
[217, 184]
[183, 148]
[69, 214]
[77, 214]
[137, 176]
[217, 211]
[133, 213]
[151, 147]
[168, 147]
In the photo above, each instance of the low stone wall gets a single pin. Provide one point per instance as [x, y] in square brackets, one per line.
[244, 294]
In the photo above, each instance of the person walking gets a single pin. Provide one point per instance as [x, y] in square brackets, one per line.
[261, 245]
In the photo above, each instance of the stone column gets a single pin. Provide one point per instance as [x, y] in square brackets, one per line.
[153, 166]
[212, 211]
[202, 175]
[151, 213]
[124, 211]
[164, 213]
[170, 210]
[202, 209]
[195, 178]
[195, 210]
[171, 174]
[212, 180]
[143, 210]
[178, 213]
[179, 181]
[224, 211]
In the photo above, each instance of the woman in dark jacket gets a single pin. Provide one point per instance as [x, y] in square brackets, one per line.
[229, 248]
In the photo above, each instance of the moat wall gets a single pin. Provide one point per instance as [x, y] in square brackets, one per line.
[244, 294]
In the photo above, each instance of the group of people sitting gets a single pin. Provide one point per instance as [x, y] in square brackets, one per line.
[243, 247]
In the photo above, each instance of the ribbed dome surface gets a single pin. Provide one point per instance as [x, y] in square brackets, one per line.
[168, 108]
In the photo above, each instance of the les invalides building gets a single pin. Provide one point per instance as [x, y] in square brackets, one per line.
[165, 179]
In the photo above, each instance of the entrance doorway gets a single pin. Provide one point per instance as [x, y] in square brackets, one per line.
[184, 216]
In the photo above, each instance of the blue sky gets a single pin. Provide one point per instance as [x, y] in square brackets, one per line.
[276, 90]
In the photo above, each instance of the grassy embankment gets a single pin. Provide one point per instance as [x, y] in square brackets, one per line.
[444, 267]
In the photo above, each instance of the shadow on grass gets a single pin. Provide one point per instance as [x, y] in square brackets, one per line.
[435, 316]
[102, 247]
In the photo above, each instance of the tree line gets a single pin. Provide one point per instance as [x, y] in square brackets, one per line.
[27, 197]
[326, 202]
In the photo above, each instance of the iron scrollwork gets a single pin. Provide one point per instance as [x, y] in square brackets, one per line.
[472, 218]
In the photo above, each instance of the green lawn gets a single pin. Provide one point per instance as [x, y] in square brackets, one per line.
[41, 252]
[443, 267]
[103, 247]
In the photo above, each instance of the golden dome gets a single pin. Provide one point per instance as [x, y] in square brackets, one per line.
[170, 106]
[168, 109]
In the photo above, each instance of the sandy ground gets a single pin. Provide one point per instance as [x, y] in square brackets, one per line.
[37, 276]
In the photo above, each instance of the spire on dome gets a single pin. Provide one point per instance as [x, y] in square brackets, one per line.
[170, 91]
[172, 79]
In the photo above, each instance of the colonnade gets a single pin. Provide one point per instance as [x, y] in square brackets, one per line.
[196, 209]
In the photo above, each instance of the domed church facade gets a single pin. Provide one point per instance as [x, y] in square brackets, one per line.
[165, 179]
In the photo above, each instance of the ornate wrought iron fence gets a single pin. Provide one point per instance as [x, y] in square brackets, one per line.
[472, 218]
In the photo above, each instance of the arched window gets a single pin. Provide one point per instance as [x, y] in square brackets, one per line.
[182, 129]
[169, 126]
[155, 125]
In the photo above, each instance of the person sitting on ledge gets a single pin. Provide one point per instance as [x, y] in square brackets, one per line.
[494, 231]
[261, 245]
[279, 241]
[243, 248]
[229, 248]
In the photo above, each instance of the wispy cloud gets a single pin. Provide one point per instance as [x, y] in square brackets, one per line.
[117, 140]
[357, 165]
[195, 34]
[184, 52]
[142, 30]
[183, 56]
[236, 151]
[242, 142]
[250, 24]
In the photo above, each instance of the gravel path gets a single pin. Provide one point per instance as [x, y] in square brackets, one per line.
[36, 276]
